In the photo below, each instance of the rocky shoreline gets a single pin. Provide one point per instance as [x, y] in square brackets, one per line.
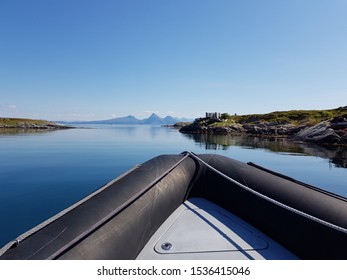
[37, 127]
[326, 132]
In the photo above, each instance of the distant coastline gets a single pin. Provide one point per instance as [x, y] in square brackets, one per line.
[20, 123]
[25, 123]
[154, 119]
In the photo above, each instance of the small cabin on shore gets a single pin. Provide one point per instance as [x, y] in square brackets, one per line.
[213, 116]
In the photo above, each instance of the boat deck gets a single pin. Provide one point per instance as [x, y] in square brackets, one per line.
[200, 229]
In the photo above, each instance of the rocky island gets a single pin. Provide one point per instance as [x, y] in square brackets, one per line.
[30, 124]
[315, 126]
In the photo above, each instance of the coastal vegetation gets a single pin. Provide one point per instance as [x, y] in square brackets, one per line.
[29, 124]
[294, 117]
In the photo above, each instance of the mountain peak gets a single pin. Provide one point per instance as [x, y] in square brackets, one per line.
[154, 119]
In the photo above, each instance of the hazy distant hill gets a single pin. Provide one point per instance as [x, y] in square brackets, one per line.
[153, 120]
[122, 120]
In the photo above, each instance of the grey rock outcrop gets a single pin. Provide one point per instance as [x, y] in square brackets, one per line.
[265, 128]
[320, 133]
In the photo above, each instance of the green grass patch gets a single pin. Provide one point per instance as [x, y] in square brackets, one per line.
[295, 117]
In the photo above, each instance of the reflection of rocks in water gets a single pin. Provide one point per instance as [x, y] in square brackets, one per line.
[339, 162]
[16, 131]
[212, 142]
[339, 158]
[274, 144]
[337, 155]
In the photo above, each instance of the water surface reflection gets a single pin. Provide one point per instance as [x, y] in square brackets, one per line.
[337, 155]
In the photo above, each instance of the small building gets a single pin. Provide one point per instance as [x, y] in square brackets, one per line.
[213, 116]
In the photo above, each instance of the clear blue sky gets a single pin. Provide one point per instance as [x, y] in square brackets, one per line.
[99, 59]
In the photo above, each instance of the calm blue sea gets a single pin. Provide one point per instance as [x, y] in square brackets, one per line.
[41, 173]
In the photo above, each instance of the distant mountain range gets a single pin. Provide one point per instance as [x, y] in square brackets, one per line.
[152, 120]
